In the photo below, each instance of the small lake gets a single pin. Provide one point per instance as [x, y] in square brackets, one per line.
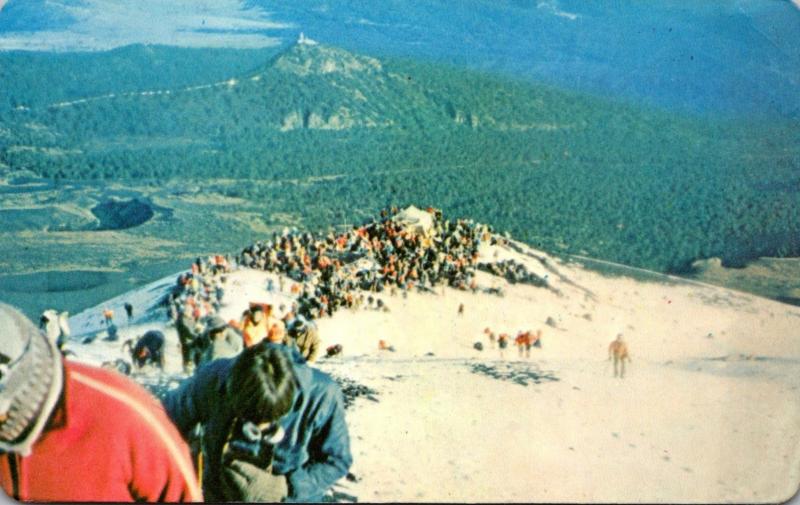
[76, 290]
[54, 281]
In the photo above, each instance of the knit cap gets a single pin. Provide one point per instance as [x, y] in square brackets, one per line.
[31, 378]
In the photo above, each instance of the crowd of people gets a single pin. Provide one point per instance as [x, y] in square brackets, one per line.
[524, 340]
[327, 273]
[194, 304]
[195, 299]
[382, 254]
[513, 272]
[262, 425]
[331, 271]
[249, 392]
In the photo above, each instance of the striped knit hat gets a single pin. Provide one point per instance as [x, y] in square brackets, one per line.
[31, 377]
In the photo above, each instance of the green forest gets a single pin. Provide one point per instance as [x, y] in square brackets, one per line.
[35, 79]
[338, 136]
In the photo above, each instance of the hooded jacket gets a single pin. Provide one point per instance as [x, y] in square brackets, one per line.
[315, 451]
[108, 439]
[227, 345]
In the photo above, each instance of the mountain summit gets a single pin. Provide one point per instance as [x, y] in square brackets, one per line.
[579, 170]
[307, 86]
[328, 88]
[307, 57]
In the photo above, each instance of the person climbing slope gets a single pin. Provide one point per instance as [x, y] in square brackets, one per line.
[297, 410]
[255, 323]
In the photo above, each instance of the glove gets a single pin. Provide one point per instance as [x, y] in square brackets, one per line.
[242, 481]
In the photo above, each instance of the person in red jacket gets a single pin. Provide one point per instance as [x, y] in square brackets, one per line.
[523, 341]
[74, 432]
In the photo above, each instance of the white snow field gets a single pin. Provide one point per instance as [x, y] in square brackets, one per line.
[709, 410]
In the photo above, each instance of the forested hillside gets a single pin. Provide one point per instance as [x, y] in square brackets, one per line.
[35, 79]
[338, 135]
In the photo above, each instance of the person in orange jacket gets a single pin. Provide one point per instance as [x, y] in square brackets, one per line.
[71, 432]
[255, 324]
[618, 350]
[522, 340]
[276, 332]
[108, 317]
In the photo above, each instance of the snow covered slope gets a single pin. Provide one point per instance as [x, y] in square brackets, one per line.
[708, 412]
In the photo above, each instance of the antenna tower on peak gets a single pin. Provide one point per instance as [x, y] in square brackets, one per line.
[303, 40]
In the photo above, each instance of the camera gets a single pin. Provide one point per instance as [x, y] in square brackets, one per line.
[252, 444]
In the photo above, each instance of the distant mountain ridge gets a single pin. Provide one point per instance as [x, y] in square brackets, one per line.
[695, 57]
[367, 94]
[33, 79]
[330, 133]
[308, 86]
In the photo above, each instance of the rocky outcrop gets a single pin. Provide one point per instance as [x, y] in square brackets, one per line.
[304, 60]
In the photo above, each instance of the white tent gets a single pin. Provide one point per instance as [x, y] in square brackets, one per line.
[415, 220]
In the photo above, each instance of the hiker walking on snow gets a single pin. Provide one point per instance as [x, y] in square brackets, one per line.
[502, 343]
[56, 326]
[187, 336]
[148, 349]
[490, 334]
[522, 340]
[129, 311]
[529, 336]
[536, 339]
[70, 432]
[618, 350]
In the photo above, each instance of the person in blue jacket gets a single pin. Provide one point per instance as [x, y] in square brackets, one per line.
[270, 386]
